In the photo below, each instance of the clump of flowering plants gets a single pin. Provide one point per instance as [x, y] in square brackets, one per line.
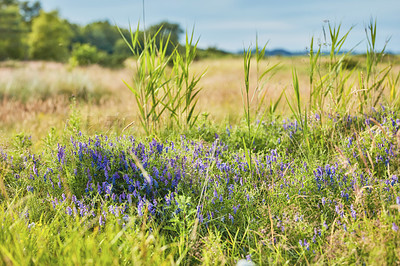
[193, 191]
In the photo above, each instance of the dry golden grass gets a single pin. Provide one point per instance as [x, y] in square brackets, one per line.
[49, 88]
[224, 81]
[106, 104]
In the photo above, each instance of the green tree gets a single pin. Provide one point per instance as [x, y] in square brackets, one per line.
[102, 35]
[77, 34]
[27, 9]
[12, 30]
[4, 3]
[50, 37]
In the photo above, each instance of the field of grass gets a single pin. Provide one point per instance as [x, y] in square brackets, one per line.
[37, 95]
[297, 166]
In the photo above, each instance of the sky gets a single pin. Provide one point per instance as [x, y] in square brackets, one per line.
[232, 25]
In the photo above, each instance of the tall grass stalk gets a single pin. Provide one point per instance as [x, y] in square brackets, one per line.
[261, 89]
[4, 170]
[373, 56]
[336, 85]
[393, 83]
[338, 88]
[246, 93]
[372, 84]
[314, 57]
[158, 90]
[183, 91]
[297, 109]
[330, 86]
[151, 65]
[259, 92]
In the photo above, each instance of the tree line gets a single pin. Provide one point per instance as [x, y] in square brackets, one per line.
[27, 32]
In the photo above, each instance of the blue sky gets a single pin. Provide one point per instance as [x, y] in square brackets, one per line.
[233, 24]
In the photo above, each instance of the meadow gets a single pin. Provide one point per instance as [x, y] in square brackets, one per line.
[263, 160]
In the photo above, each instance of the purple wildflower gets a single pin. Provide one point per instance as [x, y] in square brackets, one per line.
[230, 217]
[395, 227]
[325, 225]
[69, 211]
[306, 244]
[248, 257]
[31, 225]
[101, 220]
[140, 208]
[235, 208]
[353, 212]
